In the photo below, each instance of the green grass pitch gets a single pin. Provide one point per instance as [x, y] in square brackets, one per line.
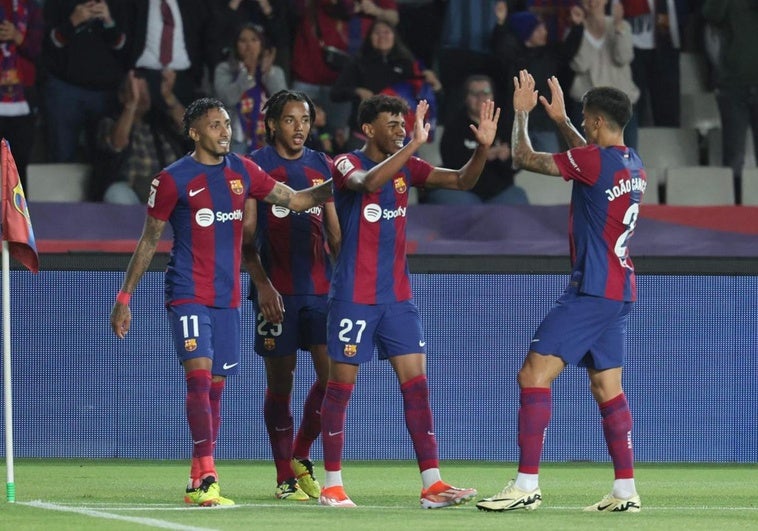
[78, 494]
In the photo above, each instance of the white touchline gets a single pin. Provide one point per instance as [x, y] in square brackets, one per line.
[110, 516]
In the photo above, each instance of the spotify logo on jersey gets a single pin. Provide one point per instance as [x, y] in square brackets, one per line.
[372, 212]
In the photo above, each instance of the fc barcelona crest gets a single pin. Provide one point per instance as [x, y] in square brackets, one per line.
[190, 345]
[400, 186]
[236, 186]
[351, 351]
[269, 343]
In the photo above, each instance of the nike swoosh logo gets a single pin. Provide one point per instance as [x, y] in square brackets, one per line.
[199, 442]
[230, 365]
[421, 343]
[193, 193]
[283, 429]
[430, 433]
[333, 433]
[535, 340]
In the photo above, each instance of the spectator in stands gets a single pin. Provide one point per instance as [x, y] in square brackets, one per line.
[320, 140]
[20, 43]
[228, 15]
[84, 56]
[173, 35]
[420, 27]
[465, 49]
[330, 23]
[657, 33]
[495, 184]
[556, 14]
[244, 82]
[737, 80]
[383, 64]
[604, 59]
[520, 42]
[133, 146]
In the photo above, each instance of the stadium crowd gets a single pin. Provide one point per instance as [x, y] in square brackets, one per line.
[105, 82]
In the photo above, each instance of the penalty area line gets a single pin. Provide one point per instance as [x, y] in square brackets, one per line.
[151, 522]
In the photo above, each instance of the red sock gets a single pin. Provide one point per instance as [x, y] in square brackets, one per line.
[418, 420]
[617, 428]
[533, 418]
[333, 414]
[217, 389]
[310, 426]
[198, 409]
[278, 418]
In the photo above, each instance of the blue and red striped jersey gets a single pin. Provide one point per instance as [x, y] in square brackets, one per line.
[292, 244]
[372, 267]
[605, 202]
[204, 205]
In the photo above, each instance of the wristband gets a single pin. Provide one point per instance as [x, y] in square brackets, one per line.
[123, 298]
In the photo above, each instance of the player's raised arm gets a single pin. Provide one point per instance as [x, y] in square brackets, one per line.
[556, 110]
[467, 176]
[524, 156]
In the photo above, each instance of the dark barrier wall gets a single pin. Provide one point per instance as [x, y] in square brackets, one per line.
[691, 377]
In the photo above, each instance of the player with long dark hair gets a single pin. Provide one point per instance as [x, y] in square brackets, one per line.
[289, 261]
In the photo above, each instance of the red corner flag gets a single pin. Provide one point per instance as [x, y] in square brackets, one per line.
[16, 223]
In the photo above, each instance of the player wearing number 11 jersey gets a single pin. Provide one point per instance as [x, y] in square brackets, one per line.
[207, 197]
[587, 325]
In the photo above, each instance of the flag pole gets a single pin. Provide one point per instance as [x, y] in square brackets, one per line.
[17, 241]
[10, 485]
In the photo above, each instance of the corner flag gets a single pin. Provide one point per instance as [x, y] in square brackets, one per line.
[16, 223]
[18, 242]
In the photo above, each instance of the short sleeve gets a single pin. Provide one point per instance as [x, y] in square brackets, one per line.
[419, 171]
[163, 196]
[344, 166]
[580, 164]
[261, 183]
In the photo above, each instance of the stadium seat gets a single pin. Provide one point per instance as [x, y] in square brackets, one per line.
[654, 177]
[699, 186]
[668, 147]
[698, 104]
[543, 189]
[60, 182]
[750, 186]
[715, 149]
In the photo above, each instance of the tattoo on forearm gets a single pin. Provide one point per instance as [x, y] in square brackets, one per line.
[572, 137]
[519, 140]
[281, 195]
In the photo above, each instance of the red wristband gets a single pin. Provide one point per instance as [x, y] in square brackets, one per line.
[123, 298]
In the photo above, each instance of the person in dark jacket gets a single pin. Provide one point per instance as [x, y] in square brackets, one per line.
[84, 57]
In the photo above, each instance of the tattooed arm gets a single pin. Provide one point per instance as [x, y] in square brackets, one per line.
[556, 110]
[524, 156]
[121, 315]
[299, 200]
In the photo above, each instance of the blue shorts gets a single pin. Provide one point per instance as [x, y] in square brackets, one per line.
[584, 330]
[354, 329]
[203, 332]
[304, 325]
